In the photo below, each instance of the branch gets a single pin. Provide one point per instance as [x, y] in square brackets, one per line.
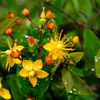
[94, 6]
[75, 20]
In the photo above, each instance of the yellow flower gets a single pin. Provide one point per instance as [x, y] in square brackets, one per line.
[13, 55]
[4, 93]
[33, 71]
[57, 47]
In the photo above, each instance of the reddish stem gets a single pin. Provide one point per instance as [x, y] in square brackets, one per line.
[33, 22]
[20, 58]
[13, 39]
[50, 35]
[45, 24]
[4, 43]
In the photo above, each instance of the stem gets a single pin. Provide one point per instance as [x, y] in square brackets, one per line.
[33, 22]
[45, 24]
[39, 53]
[13, 39]
[40, 46]
[20, 58]
[25, 47]
[4, 43]
[50, 35]
[40, 36]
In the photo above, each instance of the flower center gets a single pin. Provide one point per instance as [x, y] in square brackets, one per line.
[15, 54]
[59, 46]
[31, 73]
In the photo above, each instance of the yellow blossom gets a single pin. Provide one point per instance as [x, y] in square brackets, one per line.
[13, 55]
[4, 93]
[57, 47]
[33, 71]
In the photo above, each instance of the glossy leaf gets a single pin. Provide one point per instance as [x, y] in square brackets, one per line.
[67, 79]
[97, 64]
[3, 39]
[57, 82]
[91, 46]
[79, 86]
[76, 56]
[6, 23]
[21, 38]
[14, 88]
[3, 60]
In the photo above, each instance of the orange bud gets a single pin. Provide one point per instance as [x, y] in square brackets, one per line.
[31, 40]
[49, 15]
[29, 99]
[25, 12]
[75, 40]
[9, 31]
[49, 60]
[19, 21]
[50, 25]
[15, 54]
[10, 15]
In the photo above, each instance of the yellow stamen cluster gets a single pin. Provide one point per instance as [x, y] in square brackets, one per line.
[57, 47]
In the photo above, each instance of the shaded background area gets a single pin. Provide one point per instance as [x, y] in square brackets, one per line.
[73, 16]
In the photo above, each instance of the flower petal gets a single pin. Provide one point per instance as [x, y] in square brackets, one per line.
[33, 81]
[8, 52]
[48, 46]
[19, 48]
[37, 65]
[28, 65]
[9, 62]
[23, 73]
[16, 60]
[41, 74]
[5, 94]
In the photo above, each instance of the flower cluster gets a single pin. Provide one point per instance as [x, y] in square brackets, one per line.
[57, 47]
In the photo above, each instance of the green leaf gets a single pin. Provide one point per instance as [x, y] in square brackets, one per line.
[91, 46]
[78, 71]
[6, 23]
[79, 86]
[97, 64]
[24, 85]
[53, 70]
[57, 82]
[14, 88]
[3, 60]
[76, 56]
[67, 79]
[3, 39]
[41, 21]
[74, 84]
[21, 38]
